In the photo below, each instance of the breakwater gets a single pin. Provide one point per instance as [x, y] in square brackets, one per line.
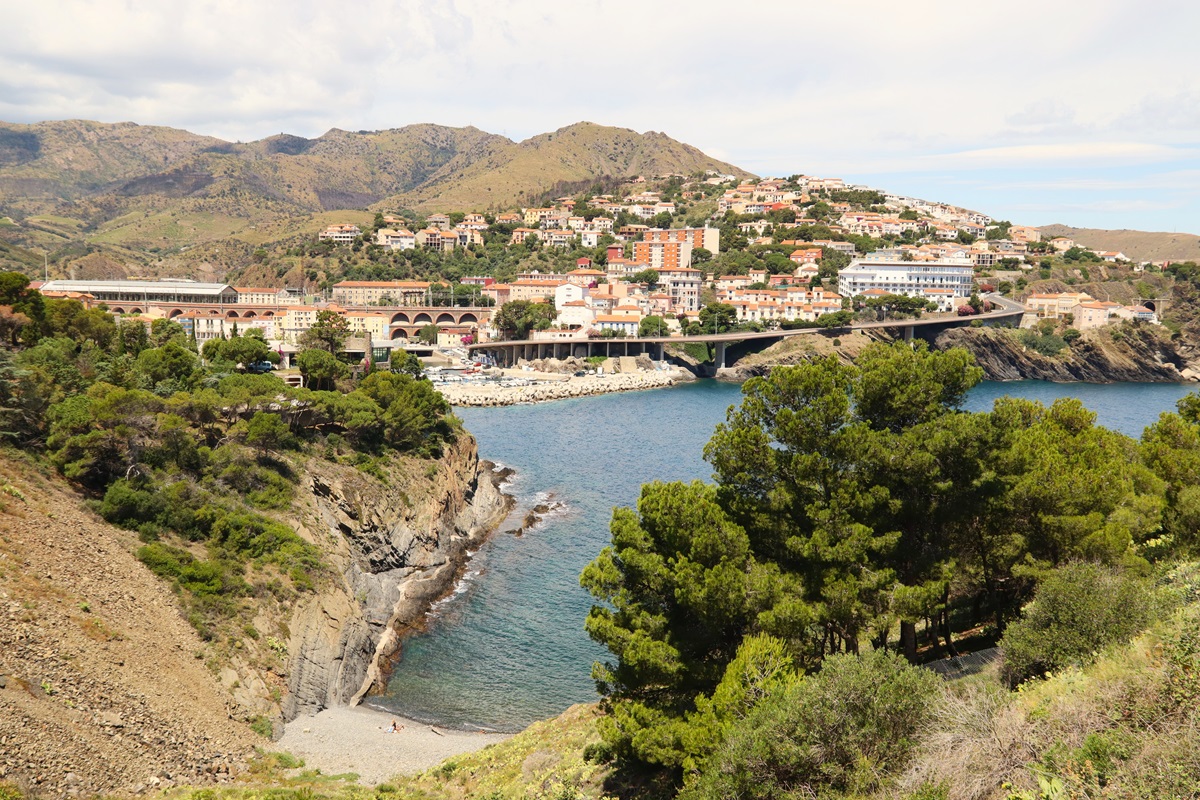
[468, 394]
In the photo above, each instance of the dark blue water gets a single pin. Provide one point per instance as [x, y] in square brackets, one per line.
[508, 648]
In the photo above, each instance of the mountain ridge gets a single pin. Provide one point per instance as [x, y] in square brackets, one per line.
[111, 165]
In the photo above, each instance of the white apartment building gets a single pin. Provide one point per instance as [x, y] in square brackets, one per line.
[257, 295]
[396, 239]
[909, 278]
[682, 285]
[342, 234]
[206, 327]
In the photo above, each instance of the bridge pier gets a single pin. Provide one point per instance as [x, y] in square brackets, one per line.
[908, 333]
[719, 359]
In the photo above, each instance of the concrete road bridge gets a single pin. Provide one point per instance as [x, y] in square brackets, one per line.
[733, 345]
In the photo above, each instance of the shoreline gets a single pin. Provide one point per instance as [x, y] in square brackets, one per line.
[390, 649]
[556, 387]
[357, 739]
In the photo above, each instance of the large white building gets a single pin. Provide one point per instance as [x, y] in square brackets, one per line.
[909, 278]
[142, 292]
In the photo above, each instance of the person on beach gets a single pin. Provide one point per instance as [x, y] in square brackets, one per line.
[396, 728]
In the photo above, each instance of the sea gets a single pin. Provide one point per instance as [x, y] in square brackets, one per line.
[507, 647]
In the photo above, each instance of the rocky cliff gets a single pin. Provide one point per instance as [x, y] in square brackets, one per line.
[395, 547]
[106, 687]
[1133, 354]
[846, 345]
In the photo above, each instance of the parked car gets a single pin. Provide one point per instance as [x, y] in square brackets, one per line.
[259, 367]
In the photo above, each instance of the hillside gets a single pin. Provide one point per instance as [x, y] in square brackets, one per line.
[1138, 245]
[152, 190]
[514, 174]
[102, 681]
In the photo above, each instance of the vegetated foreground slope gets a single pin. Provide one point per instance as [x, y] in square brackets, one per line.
[1137, 245]
[102, 687]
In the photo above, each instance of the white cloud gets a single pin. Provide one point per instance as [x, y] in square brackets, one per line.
[874, 87]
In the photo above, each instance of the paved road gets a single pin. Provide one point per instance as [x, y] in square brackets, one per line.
[1007, 309]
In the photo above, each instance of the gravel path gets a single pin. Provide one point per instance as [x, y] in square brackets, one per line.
[357, 739]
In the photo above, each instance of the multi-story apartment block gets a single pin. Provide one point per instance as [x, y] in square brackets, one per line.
[519, 235]
[535, 216]
[663, 254]
[708, 238]
[369, 322]
[255, 295]
[436, 239]
[342, 234]
[557, 238]
[204, 326]
[1053, 306]
[374, 293]
[532, 289]
[682, 284]
[394, 239]
[909, 278]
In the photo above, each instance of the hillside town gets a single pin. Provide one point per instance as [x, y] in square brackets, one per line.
[835, 253]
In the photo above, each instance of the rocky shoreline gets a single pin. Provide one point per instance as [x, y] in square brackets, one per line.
[398, 548]
[487, 395]
[1140, 355]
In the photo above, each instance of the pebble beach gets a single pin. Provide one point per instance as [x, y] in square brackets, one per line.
[358, 739]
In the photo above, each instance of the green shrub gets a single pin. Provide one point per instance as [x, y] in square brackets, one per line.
[262, 726]
[1079, 609]
[844, 729]
[1047, 344]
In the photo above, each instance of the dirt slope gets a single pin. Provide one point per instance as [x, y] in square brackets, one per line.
[1138, 245]
[101, 687]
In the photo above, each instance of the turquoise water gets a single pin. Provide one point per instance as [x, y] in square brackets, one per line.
[508, 648]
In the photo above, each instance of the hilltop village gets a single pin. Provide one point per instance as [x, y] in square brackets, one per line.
[694, 255]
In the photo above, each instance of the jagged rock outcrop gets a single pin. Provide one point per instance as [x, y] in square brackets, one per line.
[1135, 355]
[395, 548]
[846, 345]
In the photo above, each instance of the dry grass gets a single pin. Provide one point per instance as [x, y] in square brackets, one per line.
[1070, 727]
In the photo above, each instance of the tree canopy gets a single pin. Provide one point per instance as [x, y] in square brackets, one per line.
[852, 501]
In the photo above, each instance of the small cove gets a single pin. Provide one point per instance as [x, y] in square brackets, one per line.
[507, 647]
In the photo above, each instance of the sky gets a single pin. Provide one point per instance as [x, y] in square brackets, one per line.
[1084, 113]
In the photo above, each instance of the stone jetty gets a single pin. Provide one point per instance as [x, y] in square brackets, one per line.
[484, 394]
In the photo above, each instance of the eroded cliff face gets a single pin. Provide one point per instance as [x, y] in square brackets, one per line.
[1136, 355]
[394, 548]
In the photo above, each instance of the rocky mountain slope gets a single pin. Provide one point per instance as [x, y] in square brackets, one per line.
[516, 173]
[1138, 245]
[98, 172]
[105, 687]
